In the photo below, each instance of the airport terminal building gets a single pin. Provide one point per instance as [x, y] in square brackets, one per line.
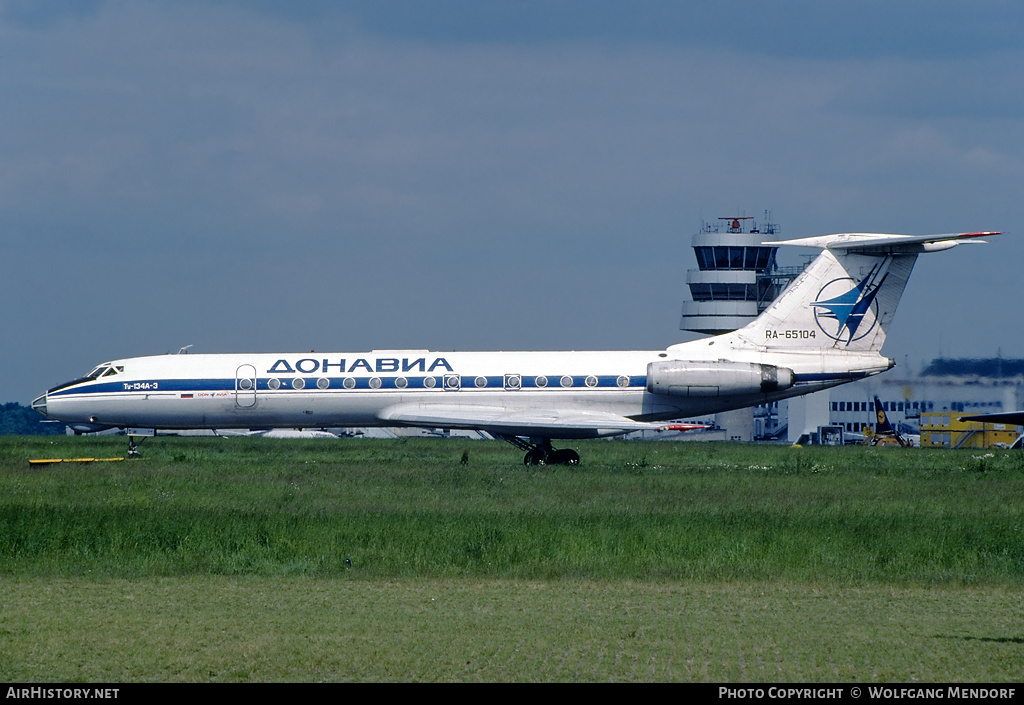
[931, 402]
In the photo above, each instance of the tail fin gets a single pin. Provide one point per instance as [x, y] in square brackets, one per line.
[842, 301]
[847, 297]
[884, 429]
[882, 425]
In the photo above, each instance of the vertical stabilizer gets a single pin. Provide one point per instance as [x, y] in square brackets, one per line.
[842, 301]
[883, 429]
[882, 425]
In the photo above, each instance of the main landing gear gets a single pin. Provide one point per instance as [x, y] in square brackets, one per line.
[542, 453]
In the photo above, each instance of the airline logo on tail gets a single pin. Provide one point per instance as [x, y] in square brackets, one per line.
[845, 310]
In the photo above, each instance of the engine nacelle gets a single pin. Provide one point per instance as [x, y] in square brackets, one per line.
[715, 379]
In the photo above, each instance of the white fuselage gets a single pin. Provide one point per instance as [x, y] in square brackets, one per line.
[471, 389]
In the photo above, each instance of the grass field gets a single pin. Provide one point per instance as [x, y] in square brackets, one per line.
[267, 559]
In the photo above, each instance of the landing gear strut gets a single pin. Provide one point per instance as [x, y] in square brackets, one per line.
[133, 447]
[542, 453]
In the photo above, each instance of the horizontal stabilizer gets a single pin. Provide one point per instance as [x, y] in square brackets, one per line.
[884, 243]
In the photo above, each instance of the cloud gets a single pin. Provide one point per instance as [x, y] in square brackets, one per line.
[926, 147]
[46, 14]
[252, 176]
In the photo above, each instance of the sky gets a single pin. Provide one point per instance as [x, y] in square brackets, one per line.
[463, 175]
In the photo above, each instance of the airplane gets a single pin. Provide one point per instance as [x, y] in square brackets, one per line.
[825, 329]
[885, 433]
[1011, 418]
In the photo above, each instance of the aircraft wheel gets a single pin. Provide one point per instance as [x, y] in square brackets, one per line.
[536, 456]
[566, 456]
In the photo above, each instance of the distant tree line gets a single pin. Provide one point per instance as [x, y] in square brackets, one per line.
[18, 420]
[978, 367]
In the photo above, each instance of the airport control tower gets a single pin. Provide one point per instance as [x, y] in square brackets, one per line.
[736, 279]
[736, 276]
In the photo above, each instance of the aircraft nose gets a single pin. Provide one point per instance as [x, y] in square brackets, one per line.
[39, 403]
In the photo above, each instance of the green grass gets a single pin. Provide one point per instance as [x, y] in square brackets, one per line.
[385, 509]
[204, 629]
[271, 559]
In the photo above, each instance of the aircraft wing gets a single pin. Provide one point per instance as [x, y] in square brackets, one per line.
[550, 423]
[879, 242]
[1011, 417]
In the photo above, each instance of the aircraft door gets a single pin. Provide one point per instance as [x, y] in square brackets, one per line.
[245, 386]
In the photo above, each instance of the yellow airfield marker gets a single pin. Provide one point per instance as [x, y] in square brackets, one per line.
[47, 461]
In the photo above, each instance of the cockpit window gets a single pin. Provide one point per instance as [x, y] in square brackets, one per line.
[105, 370]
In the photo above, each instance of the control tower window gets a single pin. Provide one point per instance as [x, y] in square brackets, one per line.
[723, 292]
[735, 258]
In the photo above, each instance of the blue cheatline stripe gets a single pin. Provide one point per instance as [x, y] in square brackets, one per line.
[151, 385]
[465, 382]
[286, 384]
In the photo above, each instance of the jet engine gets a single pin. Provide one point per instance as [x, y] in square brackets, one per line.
[714, 379]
